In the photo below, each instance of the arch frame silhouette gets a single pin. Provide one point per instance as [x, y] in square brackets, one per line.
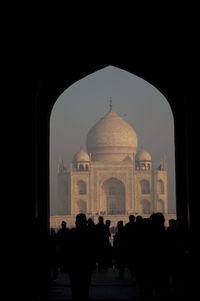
[52, 85]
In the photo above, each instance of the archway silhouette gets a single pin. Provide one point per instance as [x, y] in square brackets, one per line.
[49, 89]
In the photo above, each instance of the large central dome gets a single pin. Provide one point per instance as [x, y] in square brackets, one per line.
[111, 138]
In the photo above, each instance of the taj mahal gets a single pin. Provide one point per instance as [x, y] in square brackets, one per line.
[113, 178]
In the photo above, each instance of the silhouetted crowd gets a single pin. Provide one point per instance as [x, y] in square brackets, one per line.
[142, 245]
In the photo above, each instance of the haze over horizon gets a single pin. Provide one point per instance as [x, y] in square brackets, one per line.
[139, 103]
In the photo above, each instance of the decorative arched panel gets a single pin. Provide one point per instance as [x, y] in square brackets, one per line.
[82, 207]
[160, 206]
[145, 206]
[82, 187]
[145, 186]
[160, 187]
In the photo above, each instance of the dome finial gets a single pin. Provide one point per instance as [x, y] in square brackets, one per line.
[110, 103]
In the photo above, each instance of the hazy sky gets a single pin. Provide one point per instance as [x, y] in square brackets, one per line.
[135, 100]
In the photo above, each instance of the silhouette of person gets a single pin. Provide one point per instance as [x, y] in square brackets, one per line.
[108, 247]
[119, 249]
[100, 233]
[155, 280]
[81, 258]
[107, 229]
[91, 224]
[131, 224]
[91, 229]
[62, 241]
[130, 241]
[172, 254]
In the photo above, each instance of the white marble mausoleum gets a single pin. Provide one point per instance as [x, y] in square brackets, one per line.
[113, 178]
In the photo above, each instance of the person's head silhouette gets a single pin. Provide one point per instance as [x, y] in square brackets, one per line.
[81, 220]
[63, 224]
[120, 225]
[101, 219]
[132, 218]
[108, 222]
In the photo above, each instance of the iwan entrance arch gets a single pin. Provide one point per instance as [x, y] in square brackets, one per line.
[113, 196]
[53, 83]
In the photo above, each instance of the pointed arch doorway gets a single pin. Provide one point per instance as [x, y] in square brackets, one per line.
[114, 196]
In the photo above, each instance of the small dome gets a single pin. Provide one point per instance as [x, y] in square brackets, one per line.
[81, 156]
[143, 155]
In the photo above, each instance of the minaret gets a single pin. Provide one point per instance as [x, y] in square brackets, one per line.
[62, 187]
[163, 163]
[61, 169]
[110, 104]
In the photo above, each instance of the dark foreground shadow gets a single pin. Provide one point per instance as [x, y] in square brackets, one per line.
[83, 260]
